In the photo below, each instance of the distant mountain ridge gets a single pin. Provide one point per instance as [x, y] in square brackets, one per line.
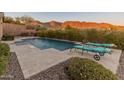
[78, 24]
[51, 24]
[85, 25]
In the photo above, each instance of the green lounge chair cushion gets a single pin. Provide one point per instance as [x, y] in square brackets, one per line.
[102, 45]
[93, 49]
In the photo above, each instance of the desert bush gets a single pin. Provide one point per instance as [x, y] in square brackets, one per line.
[7, 37]
[39, 28]
[25, 34]
[85, 69]
[91, 35]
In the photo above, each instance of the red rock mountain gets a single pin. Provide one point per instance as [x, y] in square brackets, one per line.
[78, 24]
[35, 23]
[52, 24]
[85, 25]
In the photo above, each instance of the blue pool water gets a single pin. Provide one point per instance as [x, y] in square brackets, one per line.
[43, 43]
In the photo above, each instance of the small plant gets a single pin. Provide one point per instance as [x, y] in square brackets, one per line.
[7, 37]
[85, 69]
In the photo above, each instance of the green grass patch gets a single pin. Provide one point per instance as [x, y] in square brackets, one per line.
[4, 57]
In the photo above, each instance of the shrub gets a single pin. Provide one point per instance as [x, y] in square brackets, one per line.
[7, 37]
[85, 69]
[41, 33]
[25, 34]
[4, 57]
[39, 28]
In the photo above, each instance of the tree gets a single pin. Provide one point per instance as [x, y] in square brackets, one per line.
[26, 19]
[17, 20]
[8, 19]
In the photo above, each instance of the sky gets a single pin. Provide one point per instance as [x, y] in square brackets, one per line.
[116, 18]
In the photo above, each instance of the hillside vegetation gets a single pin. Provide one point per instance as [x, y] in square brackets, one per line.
[90, 35]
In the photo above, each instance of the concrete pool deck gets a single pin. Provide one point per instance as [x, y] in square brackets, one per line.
[33, 60]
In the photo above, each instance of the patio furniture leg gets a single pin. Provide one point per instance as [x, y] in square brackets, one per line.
[70, 49]
[75, 49]
[82, 52]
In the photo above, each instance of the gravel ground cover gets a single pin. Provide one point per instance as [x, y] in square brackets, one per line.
[53, 73]
[120, 71]
[13, 69]
[14, 72]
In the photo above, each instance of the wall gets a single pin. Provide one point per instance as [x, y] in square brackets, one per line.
[1, 30]
[1, 26]
[14, 29]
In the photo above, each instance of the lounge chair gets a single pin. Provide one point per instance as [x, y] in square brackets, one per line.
[101, 45]
[98, 50]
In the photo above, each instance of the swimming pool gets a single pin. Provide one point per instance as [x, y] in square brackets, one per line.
[43, 43]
